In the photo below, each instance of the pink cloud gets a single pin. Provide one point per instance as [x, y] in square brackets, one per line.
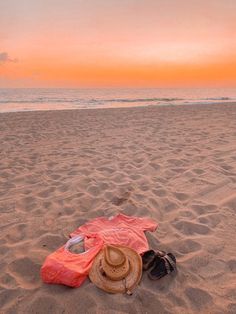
[4, 57]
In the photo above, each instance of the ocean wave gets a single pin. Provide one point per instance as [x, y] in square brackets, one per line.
[218, 98]
[76, 100]
[39, 101]
[101, 101]
[141, 99]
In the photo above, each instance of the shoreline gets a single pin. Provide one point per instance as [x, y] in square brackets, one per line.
[124, 107]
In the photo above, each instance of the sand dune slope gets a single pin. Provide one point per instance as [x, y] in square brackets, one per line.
[174, 164]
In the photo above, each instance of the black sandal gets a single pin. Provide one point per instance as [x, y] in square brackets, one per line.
[163, 265]
[148, 258]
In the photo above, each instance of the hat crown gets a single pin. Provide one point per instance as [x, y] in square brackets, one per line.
[110, 278]
[114, 256]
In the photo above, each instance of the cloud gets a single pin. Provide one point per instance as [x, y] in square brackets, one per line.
[4, 57]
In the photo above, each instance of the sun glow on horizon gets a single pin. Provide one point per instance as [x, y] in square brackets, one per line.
[107, 44]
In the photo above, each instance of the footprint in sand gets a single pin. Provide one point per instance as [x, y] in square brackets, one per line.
[232, 265]
[211, 220]
[230, 202]
[187, 214]
[204, 209]
[190, 228]
[94, 190]
[68, 211]
[7, 296]
[155, 165]
[187, 246]
[47, 192]
[26, 272]
[159, 192]
[214, 245]
[16, 233]
[215, 268]
[120, 200]
[231, 308]
[51, 241]
[181, 196]
[199, 298]
[7, 281]
[148, 297]
[42, 305]
[198, 171]
[169, 205]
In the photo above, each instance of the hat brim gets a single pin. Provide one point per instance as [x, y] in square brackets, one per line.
[120, 286]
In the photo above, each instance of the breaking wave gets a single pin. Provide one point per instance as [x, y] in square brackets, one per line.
[142, 99]
[78, 100]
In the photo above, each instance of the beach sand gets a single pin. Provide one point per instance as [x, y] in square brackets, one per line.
[176, 165]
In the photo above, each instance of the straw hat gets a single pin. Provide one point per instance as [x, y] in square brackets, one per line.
[116, 269]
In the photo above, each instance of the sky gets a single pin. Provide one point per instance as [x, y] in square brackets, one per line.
[118, 43]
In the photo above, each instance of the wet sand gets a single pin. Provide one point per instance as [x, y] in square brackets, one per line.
[176, 165]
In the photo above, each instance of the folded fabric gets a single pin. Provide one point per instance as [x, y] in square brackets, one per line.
[118, 230]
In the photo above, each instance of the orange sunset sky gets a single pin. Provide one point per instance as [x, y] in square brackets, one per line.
[117, 43]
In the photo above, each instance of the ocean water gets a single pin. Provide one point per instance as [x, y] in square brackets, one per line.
[27, 99]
